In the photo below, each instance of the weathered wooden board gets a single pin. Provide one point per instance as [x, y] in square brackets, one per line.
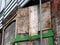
[26, 42]
[22, 20]
[27, 20]
[33, 20]
[46, 16]
[45, 41]
[37, 42]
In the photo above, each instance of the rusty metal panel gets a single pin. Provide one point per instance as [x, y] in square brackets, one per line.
[46, 16]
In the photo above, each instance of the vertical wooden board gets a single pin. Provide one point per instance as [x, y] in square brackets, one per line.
[24, 42]
[45, 41]
[22, 20]
[33, 20]
[46, 16]
[37, 42]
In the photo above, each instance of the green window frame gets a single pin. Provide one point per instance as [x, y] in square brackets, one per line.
[49, 35]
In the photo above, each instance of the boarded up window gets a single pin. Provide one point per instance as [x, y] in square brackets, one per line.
[9, 33]
[27, 22]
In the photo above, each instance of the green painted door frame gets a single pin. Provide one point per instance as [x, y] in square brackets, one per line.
[48, 35]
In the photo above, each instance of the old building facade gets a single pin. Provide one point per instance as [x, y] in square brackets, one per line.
[26, 22]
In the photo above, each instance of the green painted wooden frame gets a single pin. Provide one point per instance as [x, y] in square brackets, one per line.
[48, 35]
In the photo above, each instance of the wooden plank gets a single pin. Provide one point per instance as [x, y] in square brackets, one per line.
[22, 20]
[46, 16]
[33, 20]
[37, 42]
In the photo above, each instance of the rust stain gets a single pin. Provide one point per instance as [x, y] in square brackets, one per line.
[56, 7]
[48, 24]
[46, 17]
[23, 12]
